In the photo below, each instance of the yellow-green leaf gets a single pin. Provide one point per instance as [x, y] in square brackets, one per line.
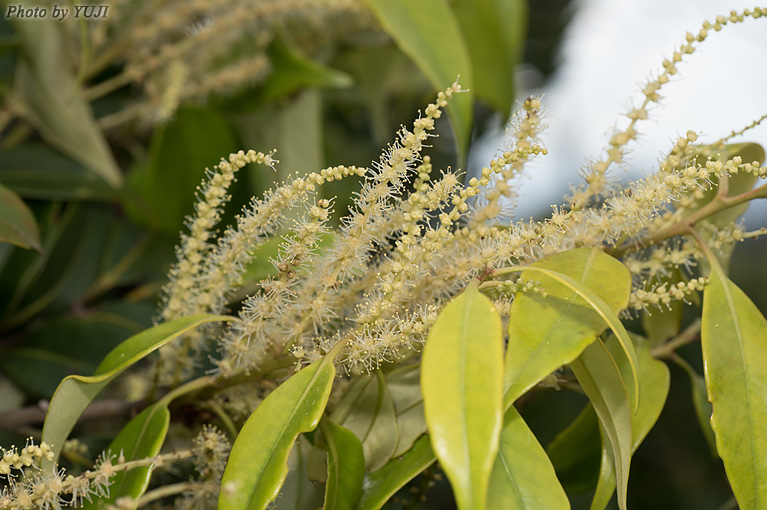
[384, 483]
[346, 467]
[461, 380]
[523, 477]
[585, 288]
[257, 464]
[600, 378]
[75, 392]
[654, 380]
[734, 343]
[427, 31]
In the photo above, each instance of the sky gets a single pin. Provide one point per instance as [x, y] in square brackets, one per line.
[609, 50]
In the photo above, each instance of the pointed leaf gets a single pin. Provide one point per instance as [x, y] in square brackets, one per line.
[380, 486]
[141, 438]
[346, 467]
[654, 380]
[75, 392]
[601, 380]
[523, 477]
[17, 223]
[461, 380]
[428, 33]
[734, 342]
[257, 464]
[53, 102]
[585, 288]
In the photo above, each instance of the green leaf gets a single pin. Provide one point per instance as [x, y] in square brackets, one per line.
[405, 390]
[585, 288]
[373, 420]
[380, 486]
[52, 100]
[346, 467]
[76, 392]
[523, 477]
[462, 382]
[654, 379]
[257, 464]
[601, 380]
[292, 71]
[37, 171]
[494, 31]
[17, 223]
[141, 438]
[179, 153]
[575, 452]
[428, 33]
[733, 337]
[700, 402]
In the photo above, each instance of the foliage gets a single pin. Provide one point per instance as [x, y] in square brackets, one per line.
[371, 351]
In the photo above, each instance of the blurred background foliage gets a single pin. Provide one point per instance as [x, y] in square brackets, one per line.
[108, 124]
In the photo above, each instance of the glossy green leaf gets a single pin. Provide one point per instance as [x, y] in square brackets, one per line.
[53, 102]
[404, 386]
[494, 31]
[523, 477]
[17, 223]
[734, 342]
[654, 380]
[76, 392]
[142, 437]
[298, 492]
[346, 467]
[600, 378]
[575, 452]
[380, 486]
[257, 464]
[585, 289]
[461, 380]
[428, 33]
[37, 171]
[373, 420]
[700, 402]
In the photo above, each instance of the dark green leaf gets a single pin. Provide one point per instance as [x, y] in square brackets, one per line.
[428, 33]
[700, 402]
[36, 171]
[180, 152]
[17, 223]
[575, 452]
[346, 467]
[494, 31]
[523, 477]
[380, 486]
[462, 383]
[76, 392]
[257, 464]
